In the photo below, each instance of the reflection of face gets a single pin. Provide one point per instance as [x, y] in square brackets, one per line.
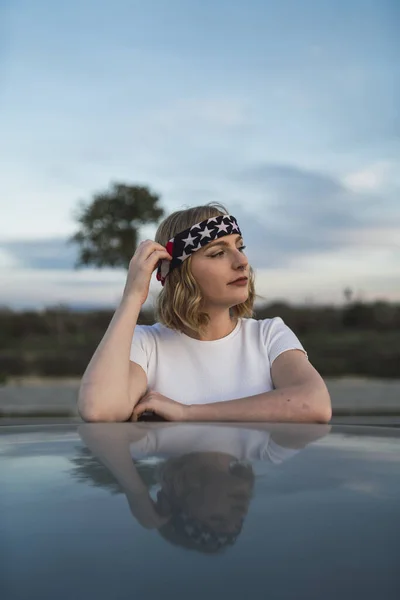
[209, 492]
[221, 504]
[216, 265]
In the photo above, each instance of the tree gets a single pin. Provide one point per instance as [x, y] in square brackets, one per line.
[110, 223]
[348, 294]
[88, 469]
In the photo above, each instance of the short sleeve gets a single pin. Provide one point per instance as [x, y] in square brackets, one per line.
[145, 447]
[277, 454]
[140, 347]
[279, 338]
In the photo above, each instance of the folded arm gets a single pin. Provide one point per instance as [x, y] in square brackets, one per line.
[109, 443]
[300, 396]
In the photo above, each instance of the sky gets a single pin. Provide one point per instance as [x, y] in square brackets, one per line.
[286, 112]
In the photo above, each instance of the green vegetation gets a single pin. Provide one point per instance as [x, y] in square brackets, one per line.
[357, 339]
[109, 225]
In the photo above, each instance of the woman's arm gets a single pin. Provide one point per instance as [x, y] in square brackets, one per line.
[112, 384]
[107, 390]
[300, 396]
[287, 435]
[110, 444]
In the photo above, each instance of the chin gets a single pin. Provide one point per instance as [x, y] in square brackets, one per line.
[239, 297]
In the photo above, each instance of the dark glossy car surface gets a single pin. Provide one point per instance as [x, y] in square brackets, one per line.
[164, 510]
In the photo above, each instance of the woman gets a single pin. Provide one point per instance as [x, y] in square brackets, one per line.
[202, 477]
[206, 359]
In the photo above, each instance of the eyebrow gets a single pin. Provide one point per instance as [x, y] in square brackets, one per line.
[223, 242]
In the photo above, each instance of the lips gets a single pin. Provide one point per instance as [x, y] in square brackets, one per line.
[240, 279]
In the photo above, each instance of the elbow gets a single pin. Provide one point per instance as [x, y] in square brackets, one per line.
[88, 414]
[323, 405]
[92, 416]
[86, 408]
[317, 405]
[314, 403]
[94, 408]
[88, 417]
[324, 416]
[323, 409]
[85, 405]
[91, 413]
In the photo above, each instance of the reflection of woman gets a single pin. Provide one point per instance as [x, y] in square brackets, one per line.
[207, 358]
[204, 475]
[205, 496]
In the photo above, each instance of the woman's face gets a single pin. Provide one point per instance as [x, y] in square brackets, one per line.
[222, 503]
[216, 266]
[208, 491]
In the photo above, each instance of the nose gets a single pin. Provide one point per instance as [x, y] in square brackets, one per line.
[240, 260]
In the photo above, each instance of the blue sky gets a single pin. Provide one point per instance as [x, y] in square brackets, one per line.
[287, 112]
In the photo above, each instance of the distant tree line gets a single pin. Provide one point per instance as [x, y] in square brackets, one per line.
[356, 339]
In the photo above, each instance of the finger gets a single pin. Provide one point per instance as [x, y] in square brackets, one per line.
[143, 400]
[144, 249]
[141, 407]
[159, 253]
[149, 246]
[157, 256]
[147, 395]
[140, 247]
[148, 402]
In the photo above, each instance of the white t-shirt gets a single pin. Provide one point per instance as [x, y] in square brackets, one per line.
[243, 444]
[199, 372]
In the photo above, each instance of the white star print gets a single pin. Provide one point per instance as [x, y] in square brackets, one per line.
[205, 233]
[222, 227]
[189, 240]
[184, 256]
[212, 219]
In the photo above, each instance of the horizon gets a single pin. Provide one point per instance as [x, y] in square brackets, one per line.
[285, 113]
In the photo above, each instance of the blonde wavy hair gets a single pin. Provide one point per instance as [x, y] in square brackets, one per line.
[179, 305]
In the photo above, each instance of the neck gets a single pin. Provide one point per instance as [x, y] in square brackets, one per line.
[219, 326]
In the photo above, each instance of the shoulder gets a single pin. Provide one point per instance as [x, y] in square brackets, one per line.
[273, 325]
[264, 327]
[153, 333]
[274, 335]
[279, 338]
[148, 340]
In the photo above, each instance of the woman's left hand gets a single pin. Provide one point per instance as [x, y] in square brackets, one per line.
[162, 406]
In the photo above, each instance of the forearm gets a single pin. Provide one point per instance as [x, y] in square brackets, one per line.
[109, 443]
[104, 389]
[300, 404]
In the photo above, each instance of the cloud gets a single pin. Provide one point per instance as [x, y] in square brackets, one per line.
[88, 288]
[307, 233]
[307, 197]
[286, 214]
[37, 288]
[370, 178]
[8, 260]
[52, 253]
[374, 237]
[298, 212]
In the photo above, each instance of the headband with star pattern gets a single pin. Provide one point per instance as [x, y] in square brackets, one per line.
[201, 535]
[185, 243]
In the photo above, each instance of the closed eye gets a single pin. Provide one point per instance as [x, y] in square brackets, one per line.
[223, 252]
